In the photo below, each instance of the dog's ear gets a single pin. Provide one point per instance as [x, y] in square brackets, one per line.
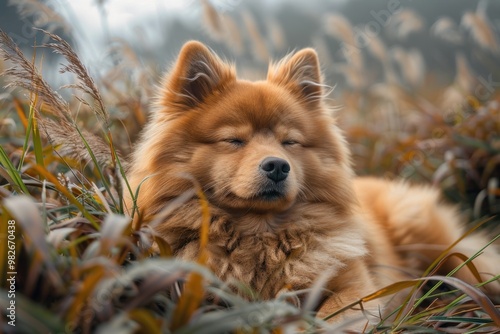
[300, 73]
[197, 74]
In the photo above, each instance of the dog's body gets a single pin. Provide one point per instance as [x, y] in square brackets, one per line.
[285, 206]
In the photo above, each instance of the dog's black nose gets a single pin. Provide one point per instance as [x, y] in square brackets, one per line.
[276, 169]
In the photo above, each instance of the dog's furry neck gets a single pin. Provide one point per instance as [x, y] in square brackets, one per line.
[294, 253]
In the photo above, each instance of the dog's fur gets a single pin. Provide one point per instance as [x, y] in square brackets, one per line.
[278, 235]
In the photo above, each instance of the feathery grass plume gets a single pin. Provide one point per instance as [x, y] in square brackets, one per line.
[404, 23]
[86, 83]
[43, 14]
[464, 83]
[25, 75]
[6, 125]
[61, 127]
[129, 86]
[259, 46]
[377, 48]
[481, 30]
[411, 64]
[446, 29]
[212, 21]
[69, 143]
[340, 28]
[387, 92]
[464, 77]
[222, 28]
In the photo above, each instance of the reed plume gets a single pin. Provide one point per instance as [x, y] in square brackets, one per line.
[61, 130]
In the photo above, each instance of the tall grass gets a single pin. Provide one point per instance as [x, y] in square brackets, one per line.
[83, 268]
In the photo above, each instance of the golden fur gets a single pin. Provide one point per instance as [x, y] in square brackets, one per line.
[280, 234]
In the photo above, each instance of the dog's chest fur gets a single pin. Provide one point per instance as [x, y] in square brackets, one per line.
[289, 258]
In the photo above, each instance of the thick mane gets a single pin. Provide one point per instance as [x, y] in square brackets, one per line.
[312, 241]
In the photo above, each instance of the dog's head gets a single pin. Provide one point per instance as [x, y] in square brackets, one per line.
[254, 146]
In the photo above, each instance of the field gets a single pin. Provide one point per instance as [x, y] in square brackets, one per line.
[79, 266]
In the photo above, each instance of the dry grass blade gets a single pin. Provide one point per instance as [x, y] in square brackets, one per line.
[406, 22]
[112, 230]
[317, 290]
[56, 237]
[377, 49]
[205, 225]
[259, 317]
[465, 259]
[481, 31]
[194, 291]
[20, 113]
[51, 178]
[85, 291]
[152, 284]
[147, 322]
[171, 206]
[386, 291]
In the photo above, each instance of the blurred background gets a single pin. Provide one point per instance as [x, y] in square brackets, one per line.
[416, 83]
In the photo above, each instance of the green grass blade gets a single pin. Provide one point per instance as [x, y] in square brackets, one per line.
[125, 180]
[13, 172]
[37, 141]
[26, 143]
[98, 167]
[136, 195]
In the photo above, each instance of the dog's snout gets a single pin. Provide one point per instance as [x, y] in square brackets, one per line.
[276, 169]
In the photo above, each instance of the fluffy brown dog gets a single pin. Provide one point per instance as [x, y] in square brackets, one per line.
[285, 205]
